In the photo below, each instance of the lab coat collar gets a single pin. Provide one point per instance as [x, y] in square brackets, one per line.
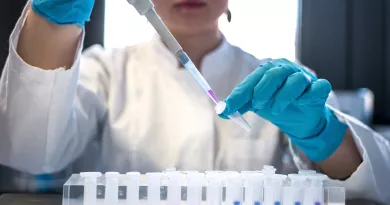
[213, 63]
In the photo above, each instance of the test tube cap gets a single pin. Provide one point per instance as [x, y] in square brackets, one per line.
[306, 172]
[257, 178]
[317, 177]
[299, 177]
[133, 174]
[172, 169]
[154, 177]
[90, 174]
[195, 178]
[268, 170]
[112, 174]
[279, 176]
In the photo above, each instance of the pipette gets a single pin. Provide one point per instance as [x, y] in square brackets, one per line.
[146, 8]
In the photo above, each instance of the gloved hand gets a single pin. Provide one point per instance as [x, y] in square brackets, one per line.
[293, 99]
[63, 12]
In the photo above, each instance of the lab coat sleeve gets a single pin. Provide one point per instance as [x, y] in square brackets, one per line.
[371, 180]
[47, 117]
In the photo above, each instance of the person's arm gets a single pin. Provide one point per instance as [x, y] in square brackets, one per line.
[46, 45]
[362, 162]
[48, 117]
[344, 161]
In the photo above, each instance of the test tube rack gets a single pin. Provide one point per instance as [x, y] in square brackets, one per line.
[173, 187]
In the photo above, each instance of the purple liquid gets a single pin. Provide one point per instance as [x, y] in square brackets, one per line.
[213, 96]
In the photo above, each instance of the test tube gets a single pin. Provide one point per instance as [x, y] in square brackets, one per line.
[307, 191]
[268, 172]
[235, 117]
[258, 188]
[248, 187]
[90, 186]
[294, 193]
[174, 188]
[273, 188]
[111, 190]
[194, 188]
[317, 188]
[154, 183]
[132, 192]
[214, 188]
[233, 189]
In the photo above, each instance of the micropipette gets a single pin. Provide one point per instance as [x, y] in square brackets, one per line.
[146, 8]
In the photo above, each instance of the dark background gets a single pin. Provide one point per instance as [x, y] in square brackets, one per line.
[348, 43]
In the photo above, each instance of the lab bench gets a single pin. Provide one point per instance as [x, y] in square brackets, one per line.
[44, 199]
[30, 199]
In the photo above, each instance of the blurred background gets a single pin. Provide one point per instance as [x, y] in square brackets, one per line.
[344, 41]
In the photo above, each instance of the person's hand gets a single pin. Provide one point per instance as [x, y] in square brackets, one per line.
[294, 100]
[63, 12]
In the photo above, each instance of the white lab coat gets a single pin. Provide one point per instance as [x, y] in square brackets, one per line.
[134, 109]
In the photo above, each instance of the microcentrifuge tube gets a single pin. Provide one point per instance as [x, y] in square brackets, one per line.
[214, 189]
[307, 192]
[234, 188]
[194, 188]
[154, 183]
[111, 189]
[316, 188]
[132, 192]
[273, 187]
[295, 193]
[90, 186]
[174, 188]
[235, 117]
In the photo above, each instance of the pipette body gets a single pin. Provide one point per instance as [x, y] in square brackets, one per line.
[146, 8]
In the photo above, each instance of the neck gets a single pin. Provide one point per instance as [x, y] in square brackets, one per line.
[198, 45]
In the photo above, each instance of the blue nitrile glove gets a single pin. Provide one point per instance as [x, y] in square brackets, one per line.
[64, 12]
[294, 100]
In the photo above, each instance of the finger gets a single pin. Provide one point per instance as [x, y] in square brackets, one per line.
[243, 93]
[292, 89]
[283, 61]
[244, 109]
[318, 92]
[272, 80]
